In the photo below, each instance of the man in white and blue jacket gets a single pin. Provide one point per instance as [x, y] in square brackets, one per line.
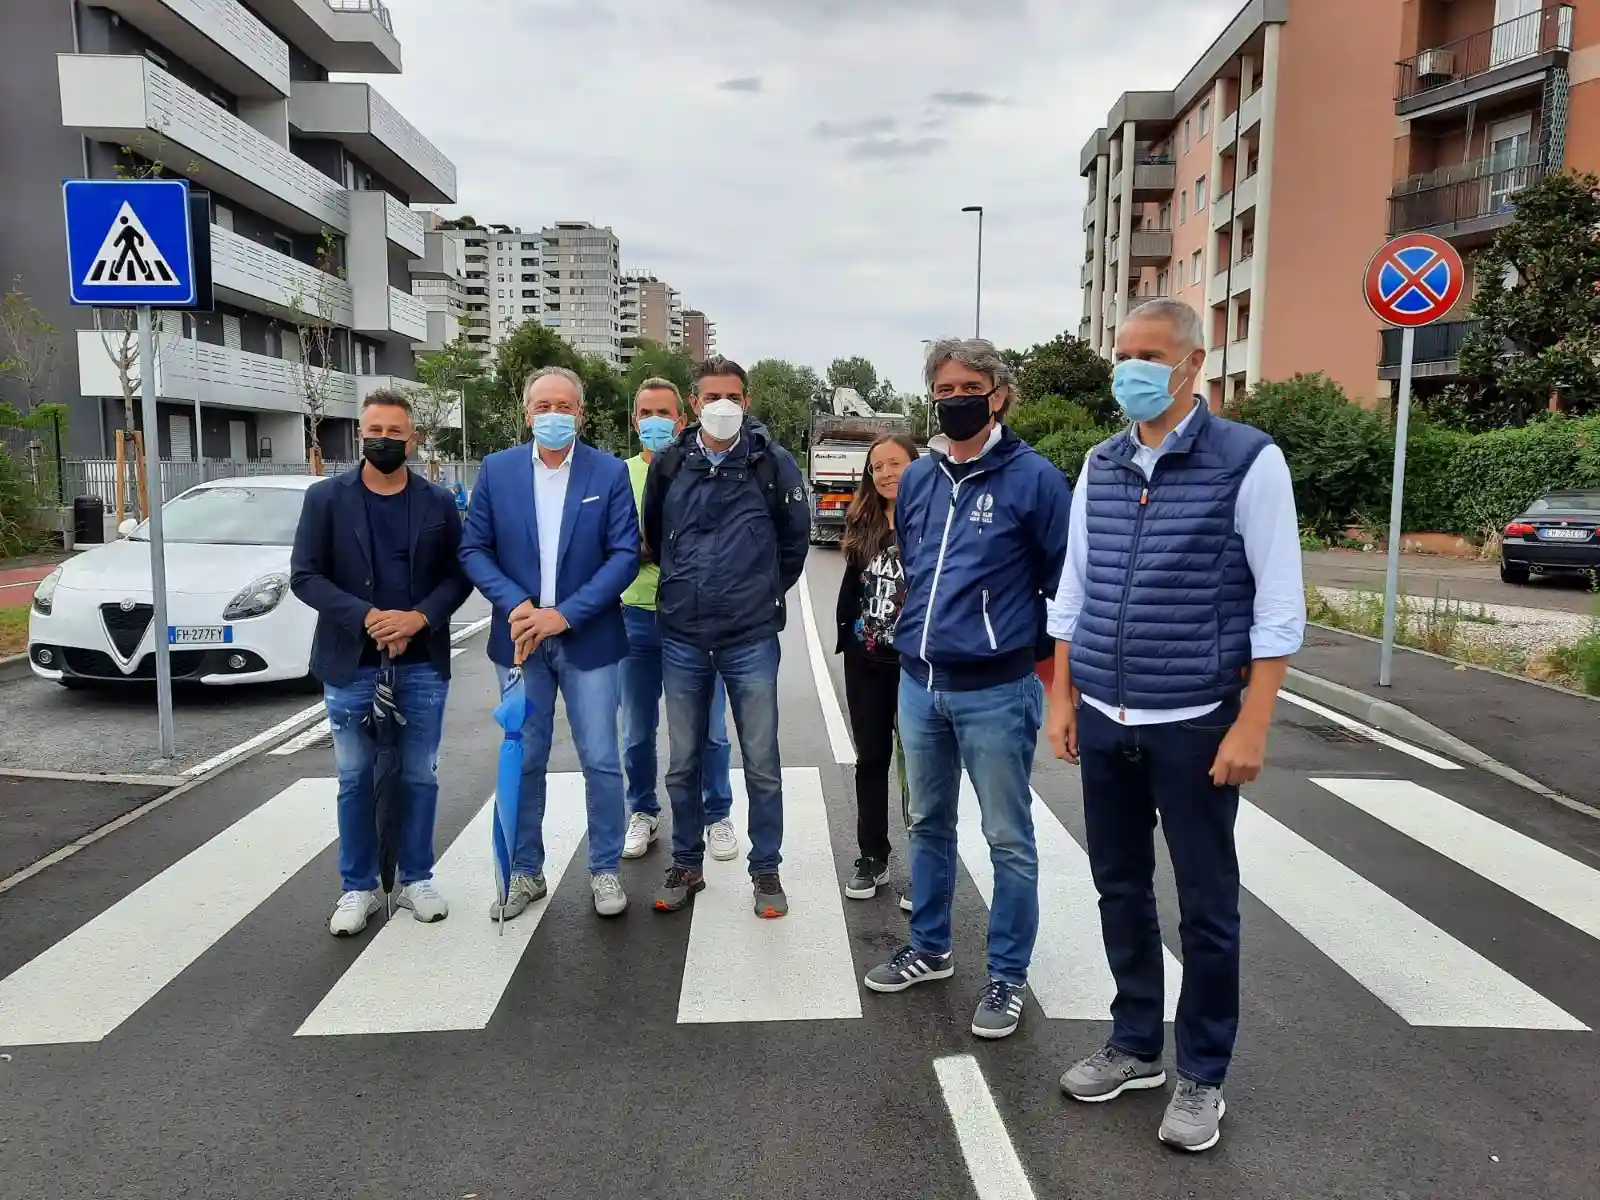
[1177, 612]
[983, 533]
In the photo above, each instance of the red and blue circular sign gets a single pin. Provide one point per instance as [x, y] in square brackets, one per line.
[1414, 280]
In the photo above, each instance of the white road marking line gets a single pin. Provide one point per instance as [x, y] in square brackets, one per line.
[1417, 969]
[321, 731]
[91, 777]
[797, 968]
[416, 977]
[1367, 731]
[991, 1159]
[1069, 975]
[288, 725]
[87, 984]
[1563, 887]
[844, 750]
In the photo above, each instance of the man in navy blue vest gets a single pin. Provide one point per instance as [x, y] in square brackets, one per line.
[982, 531]
[1177, 612]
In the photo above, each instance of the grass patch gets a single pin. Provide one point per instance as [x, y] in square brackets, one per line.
[13, 630]
[1437, 626]
[1578, 664]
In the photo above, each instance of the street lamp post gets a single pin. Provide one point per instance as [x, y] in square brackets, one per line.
[977, 317]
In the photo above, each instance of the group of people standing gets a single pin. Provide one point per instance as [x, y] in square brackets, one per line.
[1158, 599]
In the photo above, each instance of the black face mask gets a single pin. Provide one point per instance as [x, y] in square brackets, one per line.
[385, 454]
[963, 417]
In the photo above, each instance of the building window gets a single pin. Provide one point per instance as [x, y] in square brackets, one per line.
[1199, 193]
[1205, 118]
[1188, 134]
[1177, 273]
[1164, 220]
[1183, 206]
[1163, 276]
[1194, 268]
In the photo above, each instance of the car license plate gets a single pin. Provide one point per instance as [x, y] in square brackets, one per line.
[199, 635]
[1565, 535]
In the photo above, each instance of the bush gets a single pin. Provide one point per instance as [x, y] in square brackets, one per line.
[1035, 420]
[1067, 448]
[1434, 491]
[1497, 473]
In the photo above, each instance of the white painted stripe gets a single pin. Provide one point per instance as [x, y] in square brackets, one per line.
[418, 977]
[1413, 966]
[1565, 888]
[844, 750]
[87, 984]
[797, 968]
[991, 1159]
[1069, 975]
[1367, 731]
[320, 732]
[283, 727]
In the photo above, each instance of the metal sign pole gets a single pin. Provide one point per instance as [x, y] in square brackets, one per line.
[1396, 502]
[158, 558]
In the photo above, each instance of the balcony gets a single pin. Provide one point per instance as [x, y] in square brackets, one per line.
[408, 316]
[1435, 354]
[343, 35]
[441, 258]
[1150, 247]
[130, 101]
[1500, 61]
[1225, 285]
[259, 278]
[1227, 131]
[1154, 178]
[1244, 196]
[1086, 276]
[363, 121]
[1088, 214]
[219, 37]
[365, 385]
[1468, 203]
[1250, 111]
[1222, 212]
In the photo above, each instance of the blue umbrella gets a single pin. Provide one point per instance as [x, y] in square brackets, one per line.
[383, 723]
[510, 714]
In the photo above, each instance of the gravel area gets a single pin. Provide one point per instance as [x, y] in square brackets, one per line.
[1525, 632]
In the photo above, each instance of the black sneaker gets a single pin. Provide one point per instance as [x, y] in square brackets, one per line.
[770, 902]
[680, 884]
[999, 1009]
[909, 966]
[870, 872]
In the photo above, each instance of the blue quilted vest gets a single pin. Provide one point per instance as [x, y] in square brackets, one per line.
[1169, 598]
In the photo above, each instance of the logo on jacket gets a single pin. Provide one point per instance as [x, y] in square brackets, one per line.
[983, 510]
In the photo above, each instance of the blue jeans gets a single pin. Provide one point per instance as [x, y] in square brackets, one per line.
[420, 693]
[1131, 773]
[750, 671]
[641, 711]
[591, 699]
[992, 733]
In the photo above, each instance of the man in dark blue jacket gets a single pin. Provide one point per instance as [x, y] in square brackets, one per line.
[552, 539]
[983, 534]
[375, 555]
[726, 519]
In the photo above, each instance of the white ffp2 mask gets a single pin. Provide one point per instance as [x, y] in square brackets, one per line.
[722, 419]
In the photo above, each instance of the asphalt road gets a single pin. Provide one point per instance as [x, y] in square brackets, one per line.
[184, 1026]
[1425, 576]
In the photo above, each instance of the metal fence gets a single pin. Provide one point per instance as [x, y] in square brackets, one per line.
[98, 476]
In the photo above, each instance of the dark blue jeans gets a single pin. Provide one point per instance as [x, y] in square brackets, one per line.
[750, 671]
[1131, 773]
[420, 692]
[641, 711]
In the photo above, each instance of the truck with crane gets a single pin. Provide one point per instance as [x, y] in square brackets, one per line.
[839, 442]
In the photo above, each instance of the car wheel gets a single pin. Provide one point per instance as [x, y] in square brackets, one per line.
[1513, 573]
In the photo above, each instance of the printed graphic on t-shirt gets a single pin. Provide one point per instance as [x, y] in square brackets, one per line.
[883, 593]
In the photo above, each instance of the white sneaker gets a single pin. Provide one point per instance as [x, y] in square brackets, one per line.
[351, 913]
[424, 901]
[641, 832]
[723, 841]
[609, 898]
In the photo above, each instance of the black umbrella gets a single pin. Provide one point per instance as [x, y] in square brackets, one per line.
[383, 724]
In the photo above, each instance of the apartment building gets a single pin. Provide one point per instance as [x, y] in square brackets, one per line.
[652, 311]
[440, 282]
[311, 181]
[582, 272]
[699, 335]
[1254, 190]
[1489, 96]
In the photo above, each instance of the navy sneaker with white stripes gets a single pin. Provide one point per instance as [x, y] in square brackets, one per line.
[909, 966]
[999, 1009]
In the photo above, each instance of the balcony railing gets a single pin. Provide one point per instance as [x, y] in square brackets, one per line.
[1439, 343]
[376, 7]
[259, 274]
[1520, 38]
[1475, 191]
[408, 316]
[219, 37]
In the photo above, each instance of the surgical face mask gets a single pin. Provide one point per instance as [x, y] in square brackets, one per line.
[722, 419]
[655, 433]
[554, 430]
[1143, 389]
[386, 454]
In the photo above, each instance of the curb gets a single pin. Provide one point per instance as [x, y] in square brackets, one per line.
[14, 666]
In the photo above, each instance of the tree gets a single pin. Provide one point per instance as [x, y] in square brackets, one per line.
[782, 397]
[445, 375]
[1068, 368]
[311, 312]
[1538, 333]
[861, 375]
[653, 360]
[30, 347]
[1036, 420]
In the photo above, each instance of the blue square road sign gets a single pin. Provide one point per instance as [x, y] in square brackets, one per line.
[129, 243]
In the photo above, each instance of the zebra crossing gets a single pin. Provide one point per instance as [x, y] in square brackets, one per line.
[412, 978]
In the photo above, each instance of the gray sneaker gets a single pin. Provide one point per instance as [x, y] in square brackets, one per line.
[999, 1009]
[1109, 1072]
[680, 884]
[609, 898]
[1194, 1116]
[525, 889]
[770, 902]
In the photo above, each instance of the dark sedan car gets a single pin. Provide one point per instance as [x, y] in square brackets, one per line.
[1558, 534]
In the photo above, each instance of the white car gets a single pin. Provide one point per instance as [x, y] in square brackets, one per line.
[230, 615]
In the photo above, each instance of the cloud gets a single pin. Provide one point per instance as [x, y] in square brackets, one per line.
[966, 99]
[830, 131]
[886, 148]
[572, 16]
[745, 83]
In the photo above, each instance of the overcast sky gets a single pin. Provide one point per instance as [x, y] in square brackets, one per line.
[796, 168]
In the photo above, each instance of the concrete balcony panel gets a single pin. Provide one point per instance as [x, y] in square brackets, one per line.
[132, 102]
[1089, 214]
[1244, 277]
[1086, 276]
[408, 316]
[441, 258]
[1244, 196]
[1217, 288]
[1213, 367]
[220, 37]
[1227, 131]
[1222, 212]
[342, 35]
[403, 226]
[365, 385]
[1154, 180]
[357, 116]
[259, 278]
[1150, 247]
[1250, 111]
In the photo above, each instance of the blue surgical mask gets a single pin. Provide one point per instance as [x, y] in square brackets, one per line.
[554, 430]
[656, 433]
[1143, 389]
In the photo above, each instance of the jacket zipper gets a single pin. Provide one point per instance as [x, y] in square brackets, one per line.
[1127, 592]
[933, 589]
[987, 625]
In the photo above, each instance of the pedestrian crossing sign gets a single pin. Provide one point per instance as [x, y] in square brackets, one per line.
[129, 243]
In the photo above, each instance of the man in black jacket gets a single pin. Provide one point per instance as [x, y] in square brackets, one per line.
[376, 555]
[726, 519]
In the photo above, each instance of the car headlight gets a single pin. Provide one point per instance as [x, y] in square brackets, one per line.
[45, 594]
[257, 598]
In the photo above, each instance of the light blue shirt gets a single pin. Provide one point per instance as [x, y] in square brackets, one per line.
[549, 502]
[1264, 518]
[715, 457]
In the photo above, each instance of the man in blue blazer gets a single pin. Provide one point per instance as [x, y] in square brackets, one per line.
[552, 539]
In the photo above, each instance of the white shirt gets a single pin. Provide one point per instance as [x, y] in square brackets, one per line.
[1264, 518]
[549, 502]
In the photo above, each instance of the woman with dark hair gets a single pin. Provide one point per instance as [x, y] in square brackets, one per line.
[870, 597]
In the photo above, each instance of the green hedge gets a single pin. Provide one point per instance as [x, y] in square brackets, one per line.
[1067, 448]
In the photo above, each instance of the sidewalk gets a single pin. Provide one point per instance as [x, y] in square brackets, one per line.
[1425, 576]
[17, 583]
[1545, 733]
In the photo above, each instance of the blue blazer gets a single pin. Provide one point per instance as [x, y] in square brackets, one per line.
[598, 555]
[331, 570]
